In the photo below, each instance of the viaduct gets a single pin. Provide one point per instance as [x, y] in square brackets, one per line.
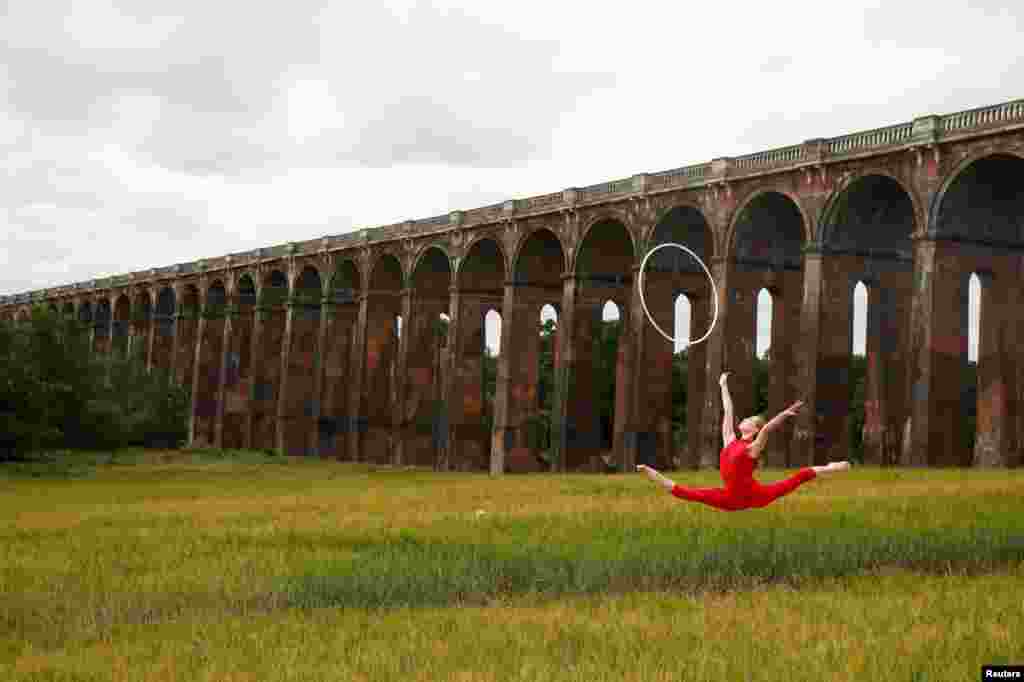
[300, 348]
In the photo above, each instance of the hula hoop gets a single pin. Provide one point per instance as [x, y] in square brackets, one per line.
[714, 291]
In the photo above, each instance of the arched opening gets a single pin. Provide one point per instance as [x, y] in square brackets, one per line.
[974, 317]
[491, 353]
[858, 377]
[971, 380]
[681, 400]
[238, 374]
[762, 314]
[546, 362]
[607, 371]
[762, 352]
[866, 234]
[425, 414]
[531, 393]
[603, 273]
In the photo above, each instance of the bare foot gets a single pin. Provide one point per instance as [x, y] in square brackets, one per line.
[832, 467]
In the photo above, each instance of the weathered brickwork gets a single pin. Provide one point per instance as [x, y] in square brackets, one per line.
[332, 347]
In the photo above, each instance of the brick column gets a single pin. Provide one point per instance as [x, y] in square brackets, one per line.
[996, 386]
[356, 416]
[421, 376]
[561, 423]
[318, 381]
[240, 360]
[513, 443]
[378, 391]
[697, 389]
[342, 318]
[711, 428]
[876, 407]
[449, 451]
[269, 340]
[300, 361]
[225, 365]
[805, 448]
[832, 396]
[281, 408]
[785, 343]
[937, 342]
[197, 411]
[739, 322]
[648, 437]
[151, 339]
[399, 431]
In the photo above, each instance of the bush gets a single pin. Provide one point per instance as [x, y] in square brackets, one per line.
[56, 393]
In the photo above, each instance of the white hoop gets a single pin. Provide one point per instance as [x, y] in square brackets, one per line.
[714, 293]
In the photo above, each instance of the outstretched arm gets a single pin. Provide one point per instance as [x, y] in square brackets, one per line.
[762, 437]
[728, 432]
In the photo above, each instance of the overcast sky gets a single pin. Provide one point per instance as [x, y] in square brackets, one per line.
[138, 134]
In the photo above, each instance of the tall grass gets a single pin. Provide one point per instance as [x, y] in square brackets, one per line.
[148, 543]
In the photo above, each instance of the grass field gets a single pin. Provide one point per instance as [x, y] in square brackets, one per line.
[206, 566]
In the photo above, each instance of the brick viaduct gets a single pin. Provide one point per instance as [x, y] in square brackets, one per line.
[297, 347]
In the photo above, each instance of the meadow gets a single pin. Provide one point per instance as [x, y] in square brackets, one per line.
[206, 565]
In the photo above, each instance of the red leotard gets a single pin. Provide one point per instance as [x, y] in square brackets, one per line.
[741, 491]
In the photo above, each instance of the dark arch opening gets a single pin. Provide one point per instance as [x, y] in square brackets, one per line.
[769, 234]
[872, 217]
[984, 203]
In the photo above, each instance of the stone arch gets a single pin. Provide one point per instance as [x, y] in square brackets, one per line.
[428, 267]
[346, 282]
[850, 180]
[386, 272]
[246, 289]
[484, 264]
[216, 294]
[425, 251]
[474, 246]
[166, 302]
[308, 287]
[301, 269]
[764, 200]
[588, 237]
[647, 234]
[551, 238]
[860, 190]
[68, 310]
[979, 173]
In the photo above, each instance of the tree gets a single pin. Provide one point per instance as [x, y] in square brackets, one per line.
[55, 392]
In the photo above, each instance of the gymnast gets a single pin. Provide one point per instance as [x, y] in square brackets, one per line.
[737, 462]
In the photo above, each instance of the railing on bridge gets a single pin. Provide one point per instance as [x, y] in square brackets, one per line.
[871, 139]
[983, 116]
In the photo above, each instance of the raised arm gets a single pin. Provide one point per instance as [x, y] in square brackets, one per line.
[728, 430]
[762, 436]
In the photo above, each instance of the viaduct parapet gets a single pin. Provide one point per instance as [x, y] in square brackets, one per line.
[298, 347]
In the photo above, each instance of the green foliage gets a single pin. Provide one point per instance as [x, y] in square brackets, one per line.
[857, 385]
[55, 393]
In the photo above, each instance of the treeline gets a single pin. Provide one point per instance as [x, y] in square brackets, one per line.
[606, 350]
[56, 394]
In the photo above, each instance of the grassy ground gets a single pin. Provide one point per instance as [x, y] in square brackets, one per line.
[242, 566]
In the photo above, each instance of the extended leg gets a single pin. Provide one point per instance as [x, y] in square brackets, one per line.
[763, 495]
[719, 498]
[714, 497]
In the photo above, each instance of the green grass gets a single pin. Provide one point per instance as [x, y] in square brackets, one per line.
[209, 565]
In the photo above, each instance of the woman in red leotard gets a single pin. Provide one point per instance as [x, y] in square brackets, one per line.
[737, 462]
